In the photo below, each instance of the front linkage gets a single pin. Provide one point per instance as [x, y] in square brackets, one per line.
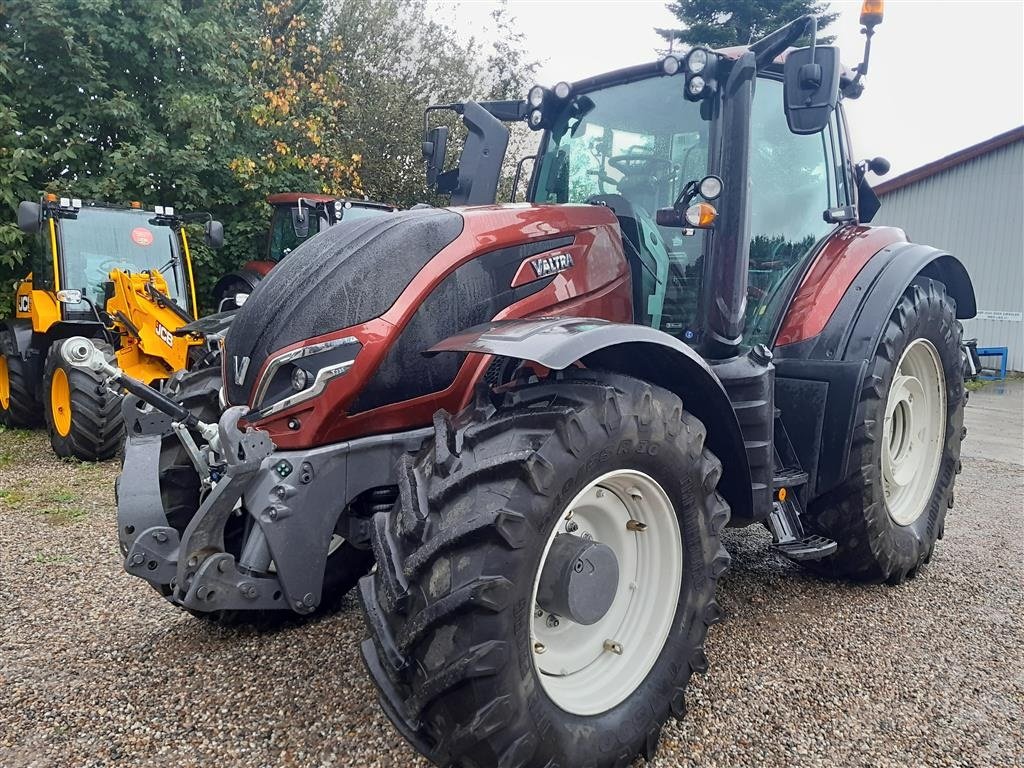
[296, 501]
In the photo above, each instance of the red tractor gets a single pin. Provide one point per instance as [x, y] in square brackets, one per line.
[297, 217]
[536, 419]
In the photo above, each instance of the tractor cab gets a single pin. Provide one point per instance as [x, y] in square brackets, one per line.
[727, 168]
[77, 246]
[299, 216]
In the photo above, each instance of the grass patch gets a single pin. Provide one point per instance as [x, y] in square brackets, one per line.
[974, 386]
[11, 497]
[44, 559]
[63, 515]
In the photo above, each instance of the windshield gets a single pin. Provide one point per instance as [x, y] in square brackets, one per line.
[100, 240]
[633, 147]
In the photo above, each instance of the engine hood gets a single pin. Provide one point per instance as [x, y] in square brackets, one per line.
[344, 276]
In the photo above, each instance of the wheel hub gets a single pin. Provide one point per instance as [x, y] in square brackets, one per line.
[580, 579]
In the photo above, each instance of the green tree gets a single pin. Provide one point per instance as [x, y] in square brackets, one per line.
[739, 22]
[397, 58]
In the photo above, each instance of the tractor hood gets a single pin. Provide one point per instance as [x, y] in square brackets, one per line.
[343, 277]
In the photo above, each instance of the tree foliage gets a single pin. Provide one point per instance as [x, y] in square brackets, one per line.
[739, 22]
[213, 104]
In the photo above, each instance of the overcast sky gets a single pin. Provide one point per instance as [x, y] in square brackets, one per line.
[945, 74]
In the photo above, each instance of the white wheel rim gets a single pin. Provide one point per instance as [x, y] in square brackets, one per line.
[914, 431]
[587, 670]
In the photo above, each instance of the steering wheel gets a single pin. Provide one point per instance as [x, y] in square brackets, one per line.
[639, 164]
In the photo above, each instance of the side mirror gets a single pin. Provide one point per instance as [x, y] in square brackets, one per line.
[878, 166]
[213, 234]
[435, 149]
[30, 217]
[810, 87]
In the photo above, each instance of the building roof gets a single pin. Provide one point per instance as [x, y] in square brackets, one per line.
[950, 161]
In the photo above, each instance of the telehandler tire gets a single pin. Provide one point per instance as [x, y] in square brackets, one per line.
[889, 513]
[83, 418]
[471, 668]
[19, 389]
[180, 493]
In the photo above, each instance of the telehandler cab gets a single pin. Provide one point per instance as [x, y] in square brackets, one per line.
[297, 216]
[536, 419]
[120, 275]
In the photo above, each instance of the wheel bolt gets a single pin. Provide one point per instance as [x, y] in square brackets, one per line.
[539, 648]
[552, 621]
[572, 526]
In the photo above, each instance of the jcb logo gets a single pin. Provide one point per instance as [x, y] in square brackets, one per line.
[165, 336]
[24, 303]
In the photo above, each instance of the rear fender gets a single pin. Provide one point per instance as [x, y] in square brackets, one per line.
[819, 379]
[635, 350]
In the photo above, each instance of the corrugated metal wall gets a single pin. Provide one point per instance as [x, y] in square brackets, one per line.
[976, 212]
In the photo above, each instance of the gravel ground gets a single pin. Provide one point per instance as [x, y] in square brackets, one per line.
[96, 670]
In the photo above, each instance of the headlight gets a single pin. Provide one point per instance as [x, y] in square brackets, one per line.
[696, 86]
[536, 119]
[301, 374]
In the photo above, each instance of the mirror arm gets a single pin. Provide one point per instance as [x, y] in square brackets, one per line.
[767, 48]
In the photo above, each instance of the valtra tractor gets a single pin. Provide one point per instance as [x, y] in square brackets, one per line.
[536, 419]
[297, 216]
[119, 274]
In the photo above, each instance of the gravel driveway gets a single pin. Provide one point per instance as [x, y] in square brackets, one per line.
[95, 669]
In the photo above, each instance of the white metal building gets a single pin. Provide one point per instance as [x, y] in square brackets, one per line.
[971, 203]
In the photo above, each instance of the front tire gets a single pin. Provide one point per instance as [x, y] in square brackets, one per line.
[83, 418]
[19, 388]
[470, 667]
[888, 515]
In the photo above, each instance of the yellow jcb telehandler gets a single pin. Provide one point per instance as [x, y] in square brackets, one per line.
[119, 275]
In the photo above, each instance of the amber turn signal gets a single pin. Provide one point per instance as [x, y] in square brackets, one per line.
[51, 197]
[871, 12]
[701, 215]
[136, 204]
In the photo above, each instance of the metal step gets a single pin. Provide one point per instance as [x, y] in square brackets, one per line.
[807, 548]
[790, 477]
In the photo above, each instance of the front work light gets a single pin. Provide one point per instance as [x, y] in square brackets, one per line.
[562, 90]
[710, 187]
[696, 61]
[69, 296]
[696, 87]
[535, 97]
[536, 119]
[670, 65]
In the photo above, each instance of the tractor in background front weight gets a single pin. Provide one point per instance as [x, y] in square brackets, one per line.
[536, 420]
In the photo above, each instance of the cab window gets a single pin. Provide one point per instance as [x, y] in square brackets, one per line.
[794, 179]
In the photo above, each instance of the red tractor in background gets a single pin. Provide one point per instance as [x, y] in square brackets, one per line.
[535, 420]
[297, 216]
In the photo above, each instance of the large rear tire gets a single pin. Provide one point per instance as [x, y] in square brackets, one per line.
[470, 668]
[19, 388]
[180, 493]
[889, 513]
[83, 417]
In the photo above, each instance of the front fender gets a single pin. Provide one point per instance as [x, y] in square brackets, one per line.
[635, 350]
